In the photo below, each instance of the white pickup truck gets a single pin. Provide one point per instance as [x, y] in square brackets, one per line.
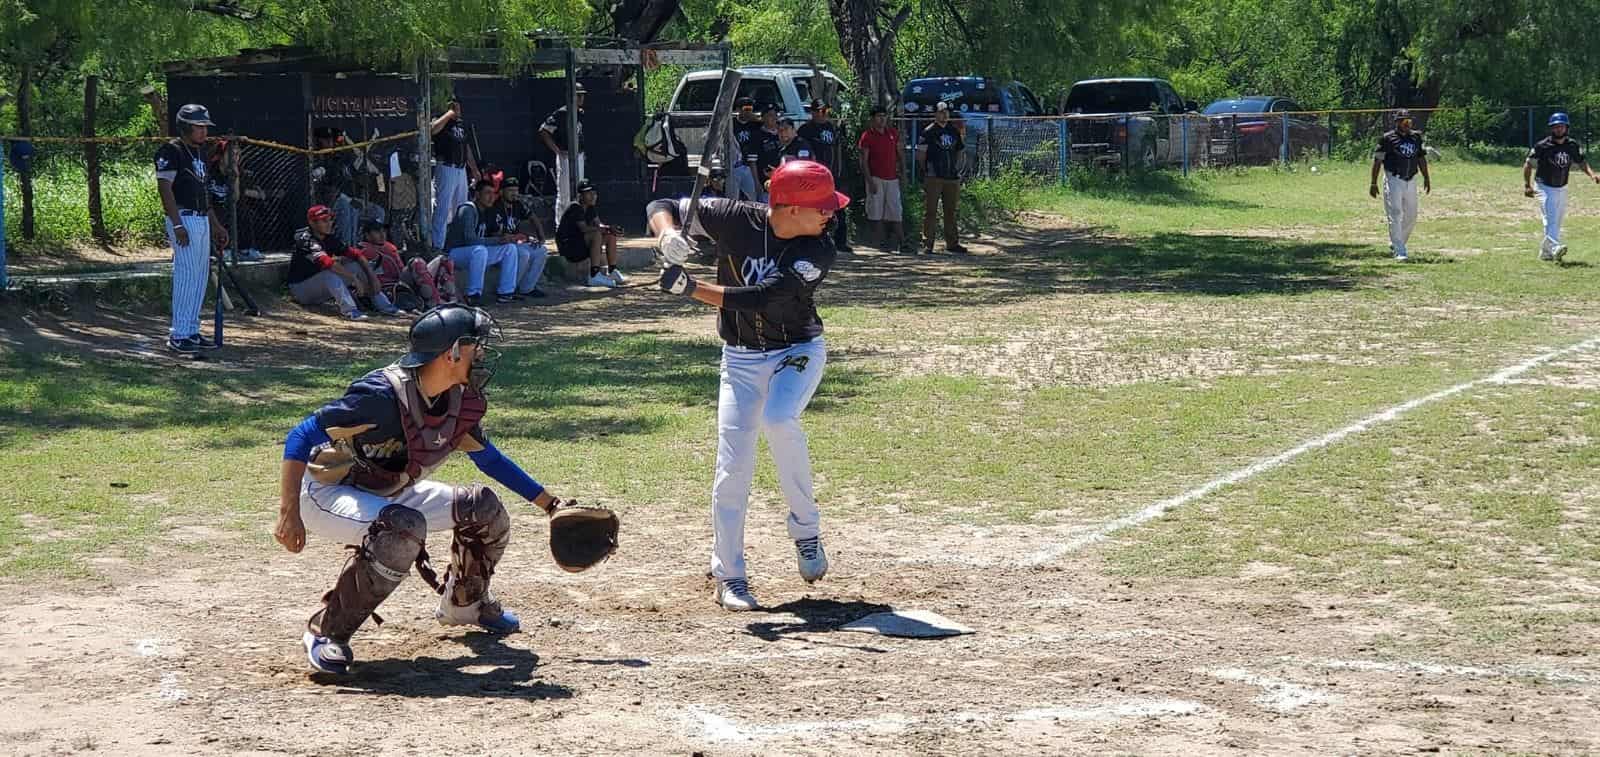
[790, 87]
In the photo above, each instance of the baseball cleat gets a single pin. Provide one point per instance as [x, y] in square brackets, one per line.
[327, 655]
[1401, 255]
[1559, 252]
[486, 613]
[812, 558]
[617, 277]
[1545, 254]
[734, 594]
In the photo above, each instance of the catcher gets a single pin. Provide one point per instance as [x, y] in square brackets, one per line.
[356, 471]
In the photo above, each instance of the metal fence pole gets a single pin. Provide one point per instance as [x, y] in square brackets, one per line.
[912, 169]
[1063, 153]
[3, 144]
[1183, 128]
[1530, 127]
[1283, 148]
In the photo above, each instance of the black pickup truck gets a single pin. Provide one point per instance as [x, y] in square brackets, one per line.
[1140, 122]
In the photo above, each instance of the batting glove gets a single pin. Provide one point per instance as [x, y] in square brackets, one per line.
[675, 247]
[675, 280]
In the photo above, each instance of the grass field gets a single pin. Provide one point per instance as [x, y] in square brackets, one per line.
[1426, 583]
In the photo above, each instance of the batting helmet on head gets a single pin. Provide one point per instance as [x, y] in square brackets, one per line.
[195, 115]
[1559, 119]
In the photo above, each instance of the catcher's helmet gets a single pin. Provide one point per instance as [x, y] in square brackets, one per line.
[195, 115]
[1559, 119]
[439, 329]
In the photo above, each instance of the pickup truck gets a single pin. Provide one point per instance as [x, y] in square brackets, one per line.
[1000, 121]
[790, 87]
[1134, 121]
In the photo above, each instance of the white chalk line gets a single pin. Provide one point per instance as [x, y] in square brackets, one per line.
[1105, 530]
[720, 728]
[1465, 671]
[1277, 694]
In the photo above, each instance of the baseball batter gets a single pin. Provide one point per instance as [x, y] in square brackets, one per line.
[1552, 159]
[190, 224]
[357, 472]
[1400, 156]
[771, 259]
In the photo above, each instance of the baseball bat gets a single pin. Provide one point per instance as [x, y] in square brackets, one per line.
[715, 140]
[250, 307]
[222, 296]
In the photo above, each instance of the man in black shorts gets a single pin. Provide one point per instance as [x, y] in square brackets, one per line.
[582, 238]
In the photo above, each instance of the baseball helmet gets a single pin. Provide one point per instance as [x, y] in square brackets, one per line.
[807, 184]
[438, 330]
[1559, 119]
[195, 115]
[318, 213]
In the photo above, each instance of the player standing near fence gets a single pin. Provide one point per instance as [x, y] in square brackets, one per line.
[454, 168]
[771, 260]
[1400, 156]
[190, 225]
[554, 135]
[1552, 159]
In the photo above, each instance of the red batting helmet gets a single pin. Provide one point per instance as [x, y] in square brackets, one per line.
[806, 184]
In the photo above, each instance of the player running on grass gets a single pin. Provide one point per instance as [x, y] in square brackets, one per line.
[356, 472]
[771, 261]
[1552, 159]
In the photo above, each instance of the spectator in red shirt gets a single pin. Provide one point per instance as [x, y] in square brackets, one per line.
[880, 163]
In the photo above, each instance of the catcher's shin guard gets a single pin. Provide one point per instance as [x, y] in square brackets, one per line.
[378, 566]
[483, 529]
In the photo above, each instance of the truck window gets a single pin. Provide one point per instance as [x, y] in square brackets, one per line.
[1113, 97]
[1030, 103]
[701, 94]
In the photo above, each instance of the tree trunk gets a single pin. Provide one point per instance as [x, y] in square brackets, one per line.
[25, 128]
[866, 38]
[91, 158]
[642, 20]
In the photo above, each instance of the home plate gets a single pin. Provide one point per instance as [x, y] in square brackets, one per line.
[914, 624]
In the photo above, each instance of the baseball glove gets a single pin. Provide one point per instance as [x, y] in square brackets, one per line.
[581, 537]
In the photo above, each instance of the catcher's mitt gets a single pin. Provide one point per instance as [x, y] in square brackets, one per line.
[581, 537]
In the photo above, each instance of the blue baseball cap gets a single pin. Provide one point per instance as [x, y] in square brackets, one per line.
[1559, 118]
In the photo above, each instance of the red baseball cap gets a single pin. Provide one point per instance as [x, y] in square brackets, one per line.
[806, 184]
[318, 213]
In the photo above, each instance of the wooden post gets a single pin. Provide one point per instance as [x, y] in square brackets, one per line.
[574, 145]
[25, 128]
[91, 158]
[425, 155]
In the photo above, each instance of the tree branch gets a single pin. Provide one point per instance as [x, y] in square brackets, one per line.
[228, 9]
[961, 24]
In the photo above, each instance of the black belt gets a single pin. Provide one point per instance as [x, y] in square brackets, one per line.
[190, 212]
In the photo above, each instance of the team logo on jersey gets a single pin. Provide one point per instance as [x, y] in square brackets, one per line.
[1561, 160]
[827, 137]
[389, 448]
[807, 271]
[1407, 150]
[797, 362]
[757, 270]
[162, 163]
[199, 167]
[947, 141]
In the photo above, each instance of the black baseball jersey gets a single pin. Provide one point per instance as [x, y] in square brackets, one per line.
[770, 152]
[748, 133]
[569, 232]
[556, 124]
[369, 416]
[824, 138]
[798, 148]
[1402, 155]
[450, 144]
[312, 256]
[944, 146]
[1553, 161]
[512, 214]
[775, 281]
[184, 165]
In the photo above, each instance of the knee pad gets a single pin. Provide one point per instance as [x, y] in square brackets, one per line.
[395, 539]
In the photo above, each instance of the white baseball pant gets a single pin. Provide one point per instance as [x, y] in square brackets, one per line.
[762, 392]
[563, 185]
[342, 514]
[1552, 209]
[191, 268]
[531, 259]
[449, 193]
[477, 258]
[1400, 204]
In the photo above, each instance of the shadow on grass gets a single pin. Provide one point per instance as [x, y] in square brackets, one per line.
[563, 388]
[1165, 188]
[1035, 262]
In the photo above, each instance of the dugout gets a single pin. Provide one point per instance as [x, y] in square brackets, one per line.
[283, 94]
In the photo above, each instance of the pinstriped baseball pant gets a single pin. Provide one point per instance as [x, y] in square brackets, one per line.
[190, 265]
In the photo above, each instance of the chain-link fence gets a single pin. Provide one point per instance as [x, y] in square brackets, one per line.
[1053, 146]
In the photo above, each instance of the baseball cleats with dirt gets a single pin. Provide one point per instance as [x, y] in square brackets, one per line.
[734, 594]
[327, 655]
[1558, 253]
[486, 613]
[812, 558]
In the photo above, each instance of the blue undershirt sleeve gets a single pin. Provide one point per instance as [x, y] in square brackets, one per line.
[304, 438]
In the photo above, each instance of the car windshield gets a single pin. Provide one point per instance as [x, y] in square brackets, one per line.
[701, 94]
[966, 95]
[1113, 97]
[1224, 107]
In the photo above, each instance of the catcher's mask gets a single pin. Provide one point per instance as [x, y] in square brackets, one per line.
[447, 327]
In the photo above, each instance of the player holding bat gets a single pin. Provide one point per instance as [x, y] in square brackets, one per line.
[357, 472]
[771, 260]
